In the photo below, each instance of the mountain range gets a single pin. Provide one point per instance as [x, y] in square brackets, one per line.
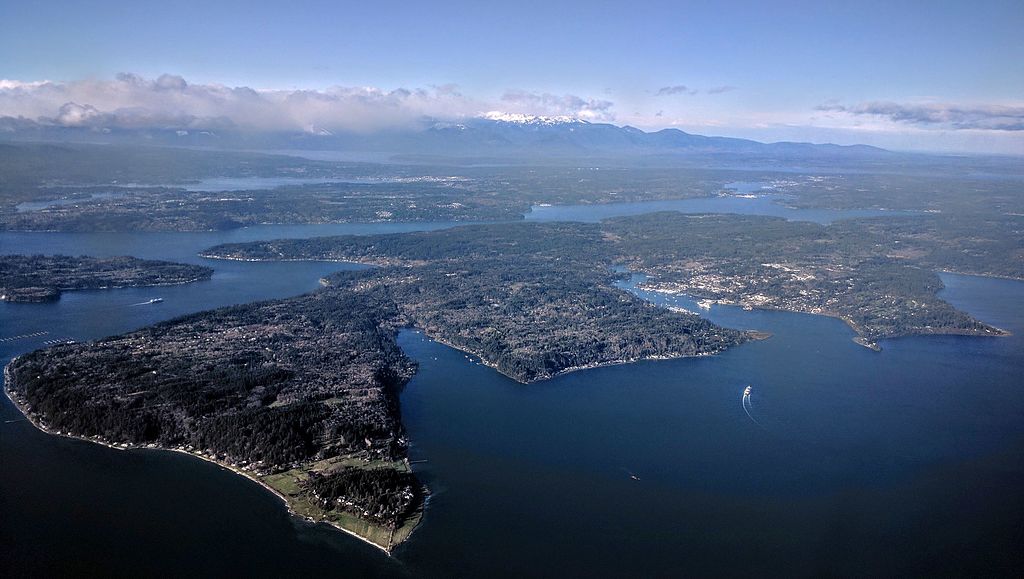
[493, 135]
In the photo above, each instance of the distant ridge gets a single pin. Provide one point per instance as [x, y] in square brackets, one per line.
[492, 134]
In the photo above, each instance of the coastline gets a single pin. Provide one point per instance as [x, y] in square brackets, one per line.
[972, 274]
[754, 336]
[368, 263]
[861, 339]
[32, 418]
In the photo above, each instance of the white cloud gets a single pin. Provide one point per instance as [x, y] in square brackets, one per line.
[546, 104]
[939, 115]
[170, 102]
[76, 115]
[674, 90]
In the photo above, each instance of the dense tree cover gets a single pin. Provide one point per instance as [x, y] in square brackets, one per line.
[384, 495]
[43, 277]
[531, 322]
[984, 244]
[267, 385]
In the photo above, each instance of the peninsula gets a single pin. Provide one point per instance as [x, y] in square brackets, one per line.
[299, 395]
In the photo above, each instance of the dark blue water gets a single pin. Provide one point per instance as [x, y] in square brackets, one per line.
[757, 199]
[903, 461]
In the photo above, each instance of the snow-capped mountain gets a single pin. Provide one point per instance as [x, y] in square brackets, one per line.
[534, 120]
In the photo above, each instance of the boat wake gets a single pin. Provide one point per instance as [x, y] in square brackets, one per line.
[152, 301]
[23, 336]
[747, 406]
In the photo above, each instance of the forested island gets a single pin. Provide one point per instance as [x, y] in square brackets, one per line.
[40, 278]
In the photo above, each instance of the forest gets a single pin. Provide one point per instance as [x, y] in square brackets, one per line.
[267, 385]
[385, 495]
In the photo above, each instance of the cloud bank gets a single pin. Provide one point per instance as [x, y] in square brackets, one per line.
[720, 89]
[546, 104]
[939, 115]
[677, 89]
[170, 102]
[674, 90]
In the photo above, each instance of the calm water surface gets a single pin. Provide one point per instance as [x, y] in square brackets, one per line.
[903, 461]
[908, 460]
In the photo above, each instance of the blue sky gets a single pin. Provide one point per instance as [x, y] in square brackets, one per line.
[949, 74]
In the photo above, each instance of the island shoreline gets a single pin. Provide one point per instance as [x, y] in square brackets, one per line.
[26, 411]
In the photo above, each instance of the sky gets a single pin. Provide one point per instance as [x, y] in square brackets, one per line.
[937, 75]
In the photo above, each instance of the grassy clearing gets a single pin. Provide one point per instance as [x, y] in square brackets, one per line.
[289, 485]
